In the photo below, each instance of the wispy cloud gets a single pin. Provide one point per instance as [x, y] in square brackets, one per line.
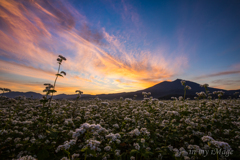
[20, 69]
[16, 86]
[236, 66]
[129, 12]
[229, 84]
[218, 74]
[226, 81]
[33, 33]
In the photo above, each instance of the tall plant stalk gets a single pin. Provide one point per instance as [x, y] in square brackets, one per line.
[51, 88]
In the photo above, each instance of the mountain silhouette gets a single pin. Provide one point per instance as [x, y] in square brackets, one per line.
[163, 90]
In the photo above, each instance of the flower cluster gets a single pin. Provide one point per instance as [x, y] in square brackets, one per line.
[119, 129]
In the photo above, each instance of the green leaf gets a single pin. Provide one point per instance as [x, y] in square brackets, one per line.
[59, 75]
[144, 155]
[123, 154]
[52, 132]
[149, 153]
[164, 147]
[165, 128]
[84, 149]
[92, 152]
[68, 153]
[42, 154]
[52, 91]
[133, 151]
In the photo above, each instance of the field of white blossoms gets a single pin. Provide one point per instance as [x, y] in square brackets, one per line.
[124, 129]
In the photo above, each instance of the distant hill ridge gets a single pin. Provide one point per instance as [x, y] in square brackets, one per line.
[163, 90]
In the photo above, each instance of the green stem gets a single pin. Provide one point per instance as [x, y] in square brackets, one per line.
[52, 92]
[69, 156]
[85, 158]
[184, 94]
[198, 101]
[57, 76]
[55, 83]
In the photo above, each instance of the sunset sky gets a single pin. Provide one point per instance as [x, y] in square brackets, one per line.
[118, 46]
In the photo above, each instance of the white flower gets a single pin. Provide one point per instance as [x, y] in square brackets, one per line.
[188, 87]
[170, 147]
[177, 154]
[219, 144]
[75, 156]
[183, 82]
[104, 158]
[27, 158]
[107, 148]
[201, 94]
[148, 148]
[136, 145]
[175, 150]
[117, 152]
[184, 153]
[105, 103]
[135, 132]
[186, 158]
[132, 158]
[207, 138]
[113, 137]
[118, 141]
[93, 144]
[116, 126]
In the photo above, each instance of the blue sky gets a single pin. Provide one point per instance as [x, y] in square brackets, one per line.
[119, 46]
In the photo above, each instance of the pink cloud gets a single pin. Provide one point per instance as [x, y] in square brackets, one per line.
[34, 32]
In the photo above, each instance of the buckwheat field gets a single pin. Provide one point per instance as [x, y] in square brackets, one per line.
[123, 129]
